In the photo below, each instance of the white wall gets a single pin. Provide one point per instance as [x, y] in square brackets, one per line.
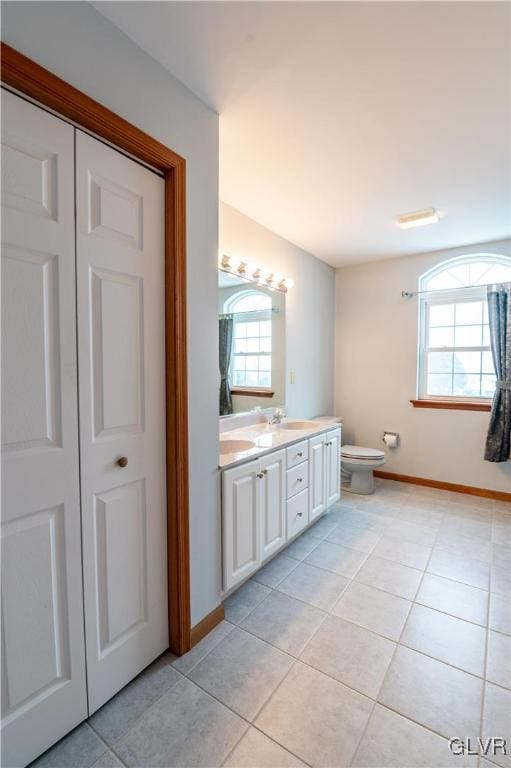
[376, 373]
[75, 42]
[309, 308]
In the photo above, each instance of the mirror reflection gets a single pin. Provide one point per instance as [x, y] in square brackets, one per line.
[251, 345]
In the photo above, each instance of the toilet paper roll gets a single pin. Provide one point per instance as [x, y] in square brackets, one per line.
[390, 439]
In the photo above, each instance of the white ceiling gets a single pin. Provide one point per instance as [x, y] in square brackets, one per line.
[337, 116]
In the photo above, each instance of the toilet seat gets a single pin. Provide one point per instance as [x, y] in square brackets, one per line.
[361, 454]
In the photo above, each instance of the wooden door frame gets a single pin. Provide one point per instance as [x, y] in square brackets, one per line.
[29, 78]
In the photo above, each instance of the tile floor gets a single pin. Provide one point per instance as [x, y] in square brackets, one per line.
[381, 632]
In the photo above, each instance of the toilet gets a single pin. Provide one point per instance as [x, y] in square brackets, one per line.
[357, 465]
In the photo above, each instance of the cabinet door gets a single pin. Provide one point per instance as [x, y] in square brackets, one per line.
[273, 515]
[333, 466]
[43, 656]
[121, 348]
[317, 476]
[241, 492]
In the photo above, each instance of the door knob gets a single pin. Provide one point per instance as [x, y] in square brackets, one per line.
[122, 462]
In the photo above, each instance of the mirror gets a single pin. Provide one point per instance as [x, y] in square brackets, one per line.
[252, 329]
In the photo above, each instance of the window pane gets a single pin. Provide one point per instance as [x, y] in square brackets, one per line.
[468, 336]
[466, 385]
[251, 302]
[251, 379]
[488, 363]
[441, 314]
[239, 363]
[252, 345]
[240, 345]
[239, 378]
[485, 312]
[240, 330]
[266, 328]
[439, 384]
[469, 313]
[265, 345]
[488, 386]
[467, 362]
[265, 363]
[441, 337]
[264, 379]
[252, 329]
[439, 362]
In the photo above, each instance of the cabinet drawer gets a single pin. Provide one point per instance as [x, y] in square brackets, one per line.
[297, 513]
[297, 479]
[297, 453]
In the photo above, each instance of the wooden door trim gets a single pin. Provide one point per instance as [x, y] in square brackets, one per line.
[29, 78]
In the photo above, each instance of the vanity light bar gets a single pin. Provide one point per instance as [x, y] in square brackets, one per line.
[272, 280]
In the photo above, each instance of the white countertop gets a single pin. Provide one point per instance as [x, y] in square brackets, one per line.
[269, 437]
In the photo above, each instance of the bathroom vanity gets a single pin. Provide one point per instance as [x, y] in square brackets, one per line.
[277, 479]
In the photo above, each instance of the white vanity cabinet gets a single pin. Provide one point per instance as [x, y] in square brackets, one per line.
[266, 502]
[253, 515]
[333, 466]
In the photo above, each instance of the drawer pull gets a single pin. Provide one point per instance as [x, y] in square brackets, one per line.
[265, 471]
[330, 443]
[260, 474]
[300, 454]
[299, 514]
[299, 479]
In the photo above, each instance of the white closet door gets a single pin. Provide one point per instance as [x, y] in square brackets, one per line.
[43, 660]
[121, 307]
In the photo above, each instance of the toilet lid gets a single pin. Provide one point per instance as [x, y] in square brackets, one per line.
[359, 452]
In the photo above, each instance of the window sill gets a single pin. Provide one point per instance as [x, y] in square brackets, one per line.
[252, 392]
[452, 405]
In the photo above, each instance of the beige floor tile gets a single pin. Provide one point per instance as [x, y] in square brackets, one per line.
[500, 613]
[461, 526]
[391, 740]
[460, 545]
[362, 539]
[186, 727]
[324, 526]
[186, 662]
[501, 580]
[350, 654]
[461, 568]
[244, 600]
[256, 750]
[438, 696]
[362, 518]
[452, 597]
[392, 577]
[408, 531]
[81, 748]
[501, 556]
[499, 659]
[276, 570]
[108, 760]
[242, 672]
[316, 718]
[314, 586]
[302, 546]
[333, 557]
[497, 721]
[404, 552]
[284, 622]
[446, 638]
[373, 609]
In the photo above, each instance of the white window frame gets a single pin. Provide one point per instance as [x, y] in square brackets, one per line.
[432, 297]
[257, 315]
[477, 293]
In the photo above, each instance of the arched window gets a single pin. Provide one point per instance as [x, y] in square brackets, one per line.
[252, 336]
[455, 360]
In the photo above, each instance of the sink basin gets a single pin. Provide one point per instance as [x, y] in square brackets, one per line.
[235, 446]
[299, 425]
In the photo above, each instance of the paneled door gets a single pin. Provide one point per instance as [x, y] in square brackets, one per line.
[121, 308]
[317, 476]
[273, 511]
[43, 657]
[241, 527]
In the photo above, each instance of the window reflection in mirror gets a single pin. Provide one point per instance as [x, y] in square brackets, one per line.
[254, 325]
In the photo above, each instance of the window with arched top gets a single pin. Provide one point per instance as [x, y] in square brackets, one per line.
[252, 338]
[455, 360]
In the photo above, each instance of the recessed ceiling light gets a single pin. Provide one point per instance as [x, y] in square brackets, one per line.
[417, 218]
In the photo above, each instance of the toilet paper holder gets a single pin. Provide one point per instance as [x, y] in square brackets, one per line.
[391, 439]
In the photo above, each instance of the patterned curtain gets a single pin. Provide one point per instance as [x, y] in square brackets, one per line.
[226, 325]
[498, 442]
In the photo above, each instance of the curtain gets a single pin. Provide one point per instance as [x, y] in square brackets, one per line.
[498, 442]
[226, 325]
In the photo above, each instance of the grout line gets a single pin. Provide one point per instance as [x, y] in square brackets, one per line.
[107, 745]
